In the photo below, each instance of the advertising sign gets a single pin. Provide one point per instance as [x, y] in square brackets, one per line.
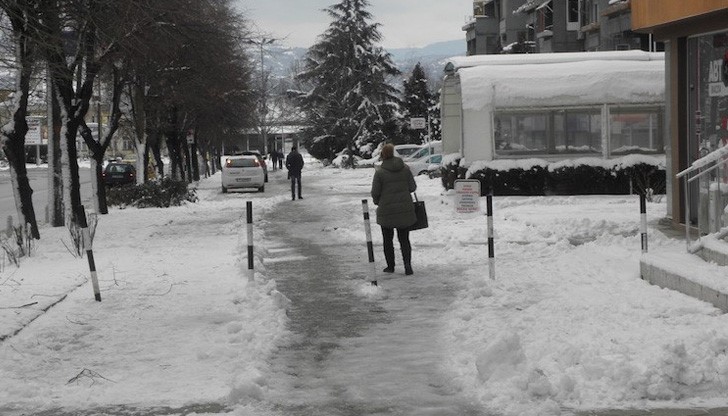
[467, 196]
[418, 123]
[33, 136]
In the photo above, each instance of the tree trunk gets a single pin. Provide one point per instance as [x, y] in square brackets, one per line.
[55, 173]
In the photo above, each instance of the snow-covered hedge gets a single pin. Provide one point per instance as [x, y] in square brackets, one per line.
[623, 175]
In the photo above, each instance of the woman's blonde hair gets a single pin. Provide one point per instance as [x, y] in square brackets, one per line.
[387, 151]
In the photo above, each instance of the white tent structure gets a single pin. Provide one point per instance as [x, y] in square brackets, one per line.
[554, 106]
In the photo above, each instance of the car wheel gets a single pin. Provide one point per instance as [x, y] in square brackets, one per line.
[422, 173]
[224, 190]
[261, 189]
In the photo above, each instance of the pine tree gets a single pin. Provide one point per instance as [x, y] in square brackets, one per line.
[419, 101]
[349, 104]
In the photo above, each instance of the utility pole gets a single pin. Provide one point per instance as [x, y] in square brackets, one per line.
[263, 110]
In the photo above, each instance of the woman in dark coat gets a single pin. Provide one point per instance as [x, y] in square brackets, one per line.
[393, 182]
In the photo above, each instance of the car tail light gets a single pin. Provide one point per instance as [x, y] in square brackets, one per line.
[228, 162]
[257, 163]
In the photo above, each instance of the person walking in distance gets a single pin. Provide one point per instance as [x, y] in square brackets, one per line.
[391, 187]
[294, 164]
[274, 158]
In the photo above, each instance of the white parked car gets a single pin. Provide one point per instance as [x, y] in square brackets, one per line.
[406, 150]
[425, 164]
[244, 171]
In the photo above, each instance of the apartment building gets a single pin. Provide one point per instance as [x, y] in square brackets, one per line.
[495, 27]
[525, 26]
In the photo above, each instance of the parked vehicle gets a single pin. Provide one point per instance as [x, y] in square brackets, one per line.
[244, 171]
[425, 165]
[261, 159]
[406, 150]
[426, 149]
[119, 173]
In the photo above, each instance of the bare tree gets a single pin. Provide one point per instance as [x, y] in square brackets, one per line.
[22, 20]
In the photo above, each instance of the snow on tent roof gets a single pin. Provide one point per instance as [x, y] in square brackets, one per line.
[572, 83]
[458, 62]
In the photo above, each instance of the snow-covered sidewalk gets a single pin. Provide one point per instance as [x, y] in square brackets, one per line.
[179, 322]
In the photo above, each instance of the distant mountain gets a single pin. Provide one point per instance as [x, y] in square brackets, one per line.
[432, 57]
[284, 61]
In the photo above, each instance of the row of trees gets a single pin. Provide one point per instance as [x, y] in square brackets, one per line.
[168, 67]
[349, 101]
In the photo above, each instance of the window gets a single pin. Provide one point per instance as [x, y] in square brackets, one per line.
[635, 130]
[589, 12]
[521, 133]
[572, 15]
[578, 131]
[548, 132]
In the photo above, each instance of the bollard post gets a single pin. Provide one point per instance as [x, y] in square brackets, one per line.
[87, 245]
[249, 215]
[643, 221]
[491, 242]
[368, 230]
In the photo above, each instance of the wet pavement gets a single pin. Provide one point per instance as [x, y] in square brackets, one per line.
[357, 350]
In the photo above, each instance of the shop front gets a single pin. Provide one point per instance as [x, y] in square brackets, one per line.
[696, 36]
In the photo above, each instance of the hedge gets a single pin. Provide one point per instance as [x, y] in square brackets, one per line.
[628, 174]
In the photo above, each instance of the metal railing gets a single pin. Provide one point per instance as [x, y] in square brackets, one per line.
[711, 173]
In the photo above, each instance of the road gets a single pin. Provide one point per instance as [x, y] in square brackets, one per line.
[39, 183]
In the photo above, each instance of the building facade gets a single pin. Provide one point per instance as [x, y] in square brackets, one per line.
[495, 27]
[524, 26]
[696, 38]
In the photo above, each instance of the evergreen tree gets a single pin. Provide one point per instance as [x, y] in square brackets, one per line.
[348, 102]
[419, 101]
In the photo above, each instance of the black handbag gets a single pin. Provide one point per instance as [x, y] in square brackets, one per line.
[421, 214]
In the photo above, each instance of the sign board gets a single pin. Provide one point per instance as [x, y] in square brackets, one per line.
[33, 136]
[418, 123]
[467, 196]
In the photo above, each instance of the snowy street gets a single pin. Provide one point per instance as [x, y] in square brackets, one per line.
[567, 327]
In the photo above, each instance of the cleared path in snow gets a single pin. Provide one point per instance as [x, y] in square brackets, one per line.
[357, 350]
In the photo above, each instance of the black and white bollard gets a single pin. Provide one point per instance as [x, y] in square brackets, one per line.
[249, 217]
[87, 245]
[491, 242]
[643, 221]
[368, 230]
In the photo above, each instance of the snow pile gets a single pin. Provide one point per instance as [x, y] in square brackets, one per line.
[180, 320]
[590, 83]
[618, 163]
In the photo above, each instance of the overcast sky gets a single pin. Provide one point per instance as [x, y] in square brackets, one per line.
[404, 23]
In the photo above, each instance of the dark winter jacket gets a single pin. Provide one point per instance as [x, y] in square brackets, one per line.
[294, 162]
[393, 182]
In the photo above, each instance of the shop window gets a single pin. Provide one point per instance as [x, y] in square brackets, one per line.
[635, 131]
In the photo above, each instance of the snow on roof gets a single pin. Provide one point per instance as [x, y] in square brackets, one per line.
[551, 58]
[577, 83]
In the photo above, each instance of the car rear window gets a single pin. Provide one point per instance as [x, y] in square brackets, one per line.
[241, 163]
[119, 168]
